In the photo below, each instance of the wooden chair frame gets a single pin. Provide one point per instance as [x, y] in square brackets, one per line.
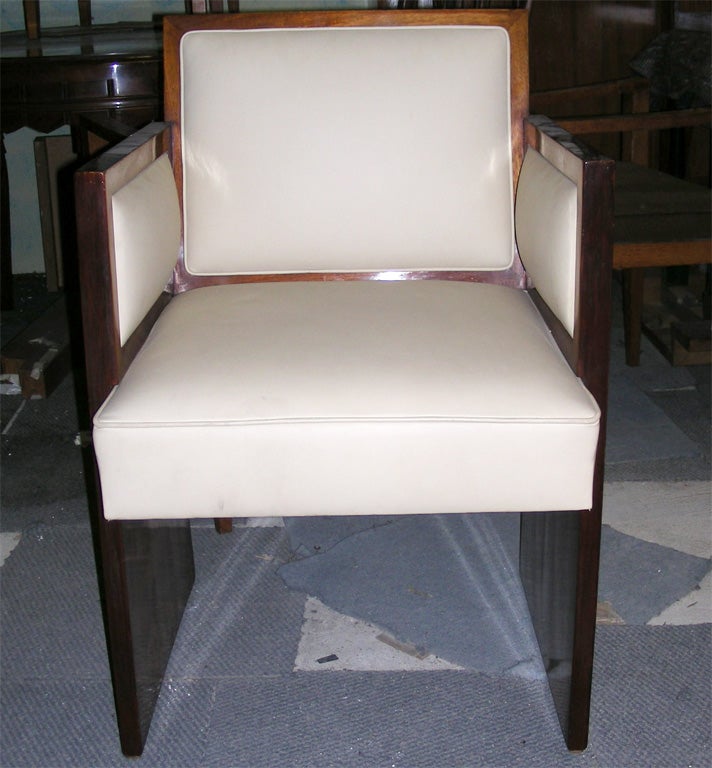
[132, 555]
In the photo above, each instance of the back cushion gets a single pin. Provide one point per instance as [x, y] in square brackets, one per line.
[346, 149]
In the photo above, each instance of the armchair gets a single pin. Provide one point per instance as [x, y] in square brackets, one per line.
[310, 292]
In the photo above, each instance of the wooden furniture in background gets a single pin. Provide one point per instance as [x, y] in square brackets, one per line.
[49, 77]
[212, 6]
[660, 220]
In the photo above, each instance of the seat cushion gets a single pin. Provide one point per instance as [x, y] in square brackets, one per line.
[301, 398]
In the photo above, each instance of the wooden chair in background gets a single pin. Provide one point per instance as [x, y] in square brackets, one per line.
[212, 6]
[660, 220]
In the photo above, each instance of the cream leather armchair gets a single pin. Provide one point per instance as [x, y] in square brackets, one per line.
[348, 276]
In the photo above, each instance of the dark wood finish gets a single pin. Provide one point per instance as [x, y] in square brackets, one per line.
[548, 562]
[660, 220]
[146, 572]
[159, 574]
[594, 320]
[515, 22]
[594, 175]
[145, 568]
[48, 80]
[648, 121]
[106, 359]
[562, 337]
[6, 292]
[31, 12]
[212, 6]
[223, 524]
[94, 133]
[575, 43]
[53, 156]
[50, 88]
[632, 312]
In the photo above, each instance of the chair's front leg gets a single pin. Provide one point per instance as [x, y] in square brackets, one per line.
[145, 574]
[145, 568]
[558, 562]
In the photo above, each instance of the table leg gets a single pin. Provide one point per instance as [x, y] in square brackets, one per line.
[6, 297]
[632, 313]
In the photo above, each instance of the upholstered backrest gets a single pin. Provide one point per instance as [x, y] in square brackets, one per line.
[346, 149]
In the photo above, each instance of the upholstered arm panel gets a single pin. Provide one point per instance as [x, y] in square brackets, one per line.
[546, 228]
[396, 155]
[146, 241]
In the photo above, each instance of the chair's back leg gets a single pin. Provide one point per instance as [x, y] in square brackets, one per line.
[223, 524]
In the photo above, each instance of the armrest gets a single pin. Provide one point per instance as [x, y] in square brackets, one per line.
[107, 353]
[587, 348]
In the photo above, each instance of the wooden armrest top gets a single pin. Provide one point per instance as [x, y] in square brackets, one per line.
[124, 148]
[553, 129]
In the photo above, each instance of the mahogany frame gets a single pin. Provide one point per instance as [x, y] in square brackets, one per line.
[131, 555]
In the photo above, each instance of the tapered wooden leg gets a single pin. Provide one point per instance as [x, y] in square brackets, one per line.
[633, 280]
[145, 575]
[559, 554]
[223, 524]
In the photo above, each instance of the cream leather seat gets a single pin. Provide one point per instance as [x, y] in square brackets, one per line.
[284, 398]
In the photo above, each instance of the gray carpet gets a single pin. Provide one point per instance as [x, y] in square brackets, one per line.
[639, 579]
[232, 699]
[427, 579]
[430, 581]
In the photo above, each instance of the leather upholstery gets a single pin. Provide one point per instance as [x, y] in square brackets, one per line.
[146, 241]
[546, 226]
[337, 397]
[291, 166]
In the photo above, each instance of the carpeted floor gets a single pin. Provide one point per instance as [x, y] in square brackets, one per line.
[245, 689]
